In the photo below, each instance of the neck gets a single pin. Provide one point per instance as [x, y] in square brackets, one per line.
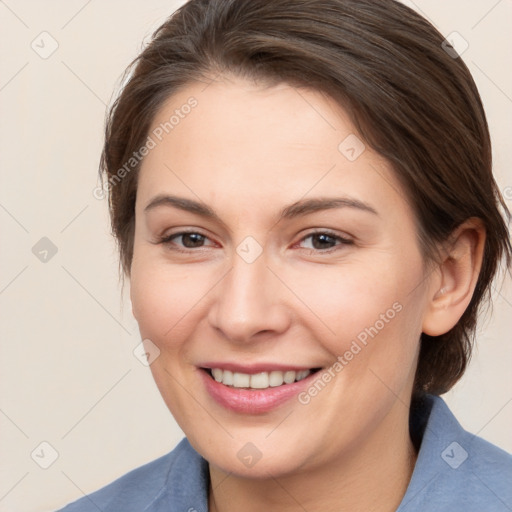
[373, 477]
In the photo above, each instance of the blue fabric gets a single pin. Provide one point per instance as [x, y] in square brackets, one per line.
[455, 471]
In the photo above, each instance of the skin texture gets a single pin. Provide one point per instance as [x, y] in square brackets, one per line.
[248, 150]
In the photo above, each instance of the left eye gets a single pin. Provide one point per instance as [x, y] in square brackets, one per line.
[324, 241]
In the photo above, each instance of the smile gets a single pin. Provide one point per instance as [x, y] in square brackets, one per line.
[261, 380]
[254, 391]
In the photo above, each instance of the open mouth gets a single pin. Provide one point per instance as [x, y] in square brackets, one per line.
[261, 380]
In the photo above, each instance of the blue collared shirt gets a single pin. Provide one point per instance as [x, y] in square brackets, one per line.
[455, 471]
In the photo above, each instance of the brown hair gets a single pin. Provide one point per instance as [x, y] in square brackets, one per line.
[410, 99]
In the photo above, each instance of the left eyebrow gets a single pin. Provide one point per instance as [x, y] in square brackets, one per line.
[307, 206]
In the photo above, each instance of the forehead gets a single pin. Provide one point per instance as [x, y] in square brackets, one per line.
[251, 142]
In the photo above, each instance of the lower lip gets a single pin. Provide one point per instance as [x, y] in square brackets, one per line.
[253, 401]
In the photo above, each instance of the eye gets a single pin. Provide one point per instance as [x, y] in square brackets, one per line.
[184, 241]
[325, 241]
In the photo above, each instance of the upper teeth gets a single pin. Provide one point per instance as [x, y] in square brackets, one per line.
[261, 380]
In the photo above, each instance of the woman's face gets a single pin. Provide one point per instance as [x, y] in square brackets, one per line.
[303, 255]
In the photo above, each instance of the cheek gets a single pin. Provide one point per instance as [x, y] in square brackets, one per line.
[166, 302]
[164, 299]
[370, 319]
[347, 300]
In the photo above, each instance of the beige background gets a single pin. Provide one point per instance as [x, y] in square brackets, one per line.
[67, 372]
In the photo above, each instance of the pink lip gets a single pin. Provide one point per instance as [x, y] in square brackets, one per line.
[252, 401]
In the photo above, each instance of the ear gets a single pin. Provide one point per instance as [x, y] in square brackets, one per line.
[451, 290]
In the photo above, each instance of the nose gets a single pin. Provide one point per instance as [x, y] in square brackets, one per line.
[249, 303]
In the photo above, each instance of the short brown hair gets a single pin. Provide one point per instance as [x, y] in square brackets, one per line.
[412, 101]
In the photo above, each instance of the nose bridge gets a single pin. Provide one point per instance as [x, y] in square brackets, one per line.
[248, 300]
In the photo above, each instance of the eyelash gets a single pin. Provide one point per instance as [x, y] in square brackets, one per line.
[167, 240]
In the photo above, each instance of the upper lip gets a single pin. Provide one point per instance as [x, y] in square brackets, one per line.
[254, 367]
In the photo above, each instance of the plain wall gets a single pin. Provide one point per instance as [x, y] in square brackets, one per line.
[67, 371]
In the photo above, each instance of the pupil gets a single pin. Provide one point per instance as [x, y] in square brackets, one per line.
[325, 239]
[196, 239]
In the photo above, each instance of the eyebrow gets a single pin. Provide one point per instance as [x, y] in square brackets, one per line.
[297, 209]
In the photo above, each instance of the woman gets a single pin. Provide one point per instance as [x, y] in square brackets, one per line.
[304, 204]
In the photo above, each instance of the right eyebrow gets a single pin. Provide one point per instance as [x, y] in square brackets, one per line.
[188, 205]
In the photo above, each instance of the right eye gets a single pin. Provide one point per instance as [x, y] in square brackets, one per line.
[188, 240]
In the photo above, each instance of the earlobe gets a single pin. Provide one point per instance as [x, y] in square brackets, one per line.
[451, 293]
